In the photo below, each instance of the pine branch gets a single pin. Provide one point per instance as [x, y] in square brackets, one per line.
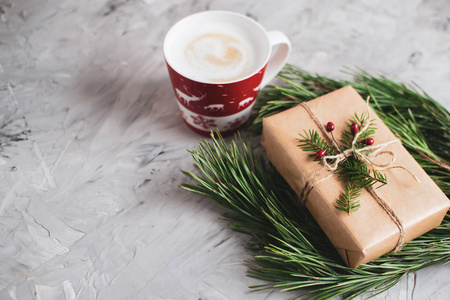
[311, 141]
[352, 170]
[348, 200]
[361, 120]
[409, 131]
[355, 171]
[290, 250]
[434, 161]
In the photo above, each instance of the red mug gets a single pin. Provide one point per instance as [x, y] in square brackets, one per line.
[217, 62]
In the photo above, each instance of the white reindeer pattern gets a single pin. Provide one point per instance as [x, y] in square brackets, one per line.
[244, 102]
[188, 99]
[215, 107]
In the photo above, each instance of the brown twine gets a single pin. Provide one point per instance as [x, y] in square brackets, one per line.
[360, 153]
[310, 185]
[319, 124]
[392, 215]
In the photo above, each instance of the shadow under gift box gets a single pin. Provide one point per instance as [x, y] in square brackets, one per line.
[368, 233]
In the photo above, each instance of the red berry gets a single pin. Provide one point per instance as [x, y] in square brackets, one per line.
[330, 126]
[369, 141]
[354, 128]
[321, 153]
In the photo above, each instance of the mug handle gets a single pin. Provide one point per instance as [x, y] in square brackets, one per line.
[277, 61]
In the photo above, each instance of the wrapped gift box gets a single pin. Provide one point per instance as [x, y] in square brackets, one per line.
[370, 232]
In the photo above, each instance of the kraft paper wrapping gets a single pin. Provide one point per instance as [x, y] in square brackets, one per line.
[369, 232]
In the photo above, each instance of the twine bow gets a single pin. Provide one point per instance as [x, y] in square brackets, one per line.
[362, 154]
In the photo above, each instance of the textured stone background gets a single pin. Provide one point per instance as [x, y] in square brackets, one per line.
[91, 141]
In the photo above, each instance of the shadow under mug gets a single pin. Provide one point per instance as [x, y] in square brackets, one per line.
[209, 104]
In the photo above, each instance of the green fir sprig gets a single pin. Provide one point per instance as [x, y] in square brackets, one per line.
[348, 200]
[347, 135]
[311, 141]
[290, 251]
[355, 172]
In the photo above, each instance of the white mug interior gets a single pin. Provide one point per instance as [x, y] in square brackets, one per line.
[202, 22]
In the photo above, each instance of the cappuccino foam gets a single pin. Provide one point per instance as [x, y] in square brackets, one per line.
[216, 54]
